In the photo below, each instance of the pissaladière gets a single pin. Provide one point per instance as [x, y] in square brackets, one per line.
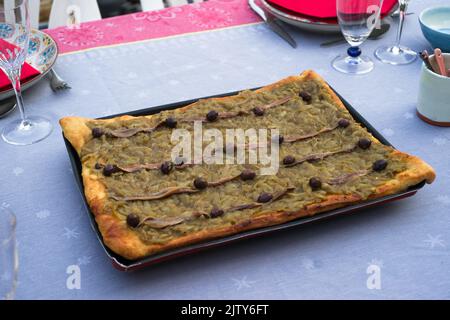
[145, 202]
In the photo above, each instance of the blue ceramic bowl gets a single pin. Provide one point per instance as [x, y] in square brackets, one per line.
[435, 24]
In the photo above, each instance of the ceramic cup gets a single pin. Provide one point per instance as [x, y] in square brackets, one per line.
[433, 104]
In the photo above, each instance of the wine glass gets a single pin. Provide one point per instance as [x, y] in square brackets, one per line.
[397, 54]
[8, 254]
[14, 38]
[357, 19]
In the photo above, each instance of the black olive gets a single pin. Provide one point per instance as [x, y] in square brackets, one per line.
[200, 183]
[212, 116]
[171, 122]
[133, 220]
[315, 183]
[379, 165]
[264, 197]
[97, 132]
[216, 212]
[109, 169]
[305, 96]
[364, 143]
[166, 167]
[288, 160]
[248, 174]
[343, 123]
[258, 111]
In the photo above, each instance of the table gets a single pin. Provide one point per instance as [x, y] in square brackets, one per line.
[153, 58]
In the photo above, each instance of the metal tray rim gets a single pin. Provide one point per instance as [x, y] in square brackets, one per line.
[128, 265]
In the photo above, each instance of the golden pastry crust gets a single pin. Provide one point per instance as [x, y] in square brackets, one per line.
[125, 242]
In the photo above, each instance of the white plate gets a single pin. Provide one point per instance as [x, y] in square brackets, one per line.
[42, 54]
[301, 22]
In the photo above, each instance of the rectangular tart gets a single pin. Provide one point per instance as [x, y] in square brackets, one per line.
[145, 202]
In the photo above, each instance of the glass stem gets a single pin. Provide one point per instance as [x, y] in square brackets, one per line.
[402, 8]
[15, 81]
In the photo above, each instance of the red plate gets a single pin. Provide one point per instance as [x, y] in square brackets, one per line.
[323, 9]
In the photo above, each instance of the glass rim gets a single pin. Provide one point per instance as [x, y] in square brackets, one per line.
[21, 3]
[8, 214]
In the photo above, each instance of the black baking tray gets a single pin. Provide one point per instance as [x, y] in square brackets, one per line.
[127, 265]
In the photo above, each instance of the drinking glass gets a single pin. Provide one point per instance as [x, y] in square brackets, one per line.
[357, 19]
[8, 254]
[397, 54]
[14, 38]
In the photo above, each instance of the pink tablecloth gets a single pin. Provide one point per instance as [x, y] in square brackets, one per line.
[213, 14]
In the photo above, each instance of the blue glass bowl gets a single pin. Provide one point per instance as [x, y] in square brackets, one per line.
[435, 24]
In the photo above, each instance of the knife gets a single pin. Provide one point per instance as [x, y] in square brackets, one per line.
[273, 23]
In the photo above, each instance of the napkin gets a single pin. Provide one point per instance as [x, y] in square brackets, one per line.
[28, 71]
[322, 8]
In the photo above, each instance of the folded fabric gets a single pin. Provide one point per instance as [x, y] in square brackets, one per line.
[28, 71]
[322, 8]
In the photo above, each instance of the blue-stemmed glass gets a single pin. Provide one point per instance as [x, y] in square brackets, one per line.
[357, 19]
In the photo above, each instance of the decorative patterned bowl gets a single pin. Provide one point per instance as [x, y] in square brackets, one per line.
[42, 54]
[435, 24]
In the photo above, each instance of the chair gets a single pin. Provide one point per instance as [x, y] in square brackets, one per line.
[152, 5]
[171, 3]
[64, 12]
[35, 6]
[159, 4]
